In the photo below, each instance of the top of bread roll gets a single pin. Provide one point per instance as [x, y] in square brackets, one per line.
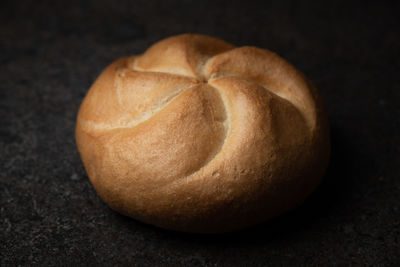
[198, 135]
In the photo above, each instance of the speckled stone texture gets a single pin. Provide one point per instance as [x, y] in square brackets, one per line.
[51, 52]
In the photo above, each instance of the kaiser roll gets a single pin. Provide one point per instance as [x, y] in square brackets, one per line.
[198, 135]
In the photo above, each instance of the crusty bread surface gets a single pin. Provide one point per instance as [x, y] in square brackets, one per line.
[198, 135]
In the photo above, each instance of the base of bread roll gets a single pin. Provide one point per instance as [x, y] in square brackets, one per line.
[198, 135]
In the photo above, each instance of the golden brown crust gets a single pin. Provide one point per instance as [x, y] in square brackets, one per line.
[197, 135]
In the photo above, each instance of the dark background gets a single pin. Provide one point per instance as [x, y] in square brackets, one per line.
[51, 52]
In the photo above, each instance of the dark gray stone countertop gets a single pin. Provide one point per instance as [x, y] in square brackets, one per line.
[51, 52]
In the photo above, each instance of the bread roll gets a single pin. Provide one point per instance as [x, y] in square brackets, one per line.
[198, 135]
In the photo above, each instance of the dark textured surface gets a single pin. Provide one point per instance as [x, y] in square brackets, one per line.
[52, 51]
